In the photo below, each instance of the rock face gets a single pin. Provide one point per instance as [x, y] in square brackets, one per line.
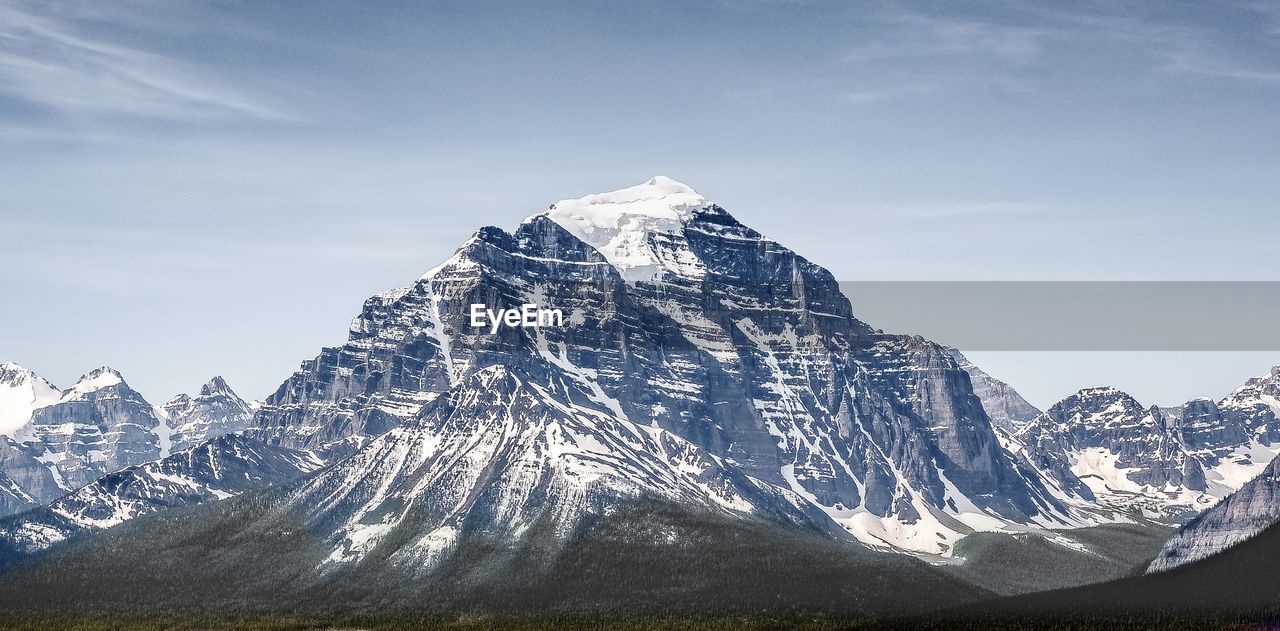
[1157, 463]
[1239, 517]
[678, 319]
[13, 498]
[21, 393]
[1007, 410]
[98, 425]
[216, 469]
[501, 454]
[35, 479]
[215, 411]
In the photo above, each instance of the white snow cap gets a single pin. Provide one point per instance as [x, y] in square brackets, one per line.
[22, 392]
[618, 223]
[101, 378]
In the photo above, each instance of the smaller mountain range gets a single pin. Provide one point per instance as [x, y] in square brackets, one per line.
[1102, 446]
[56, 442]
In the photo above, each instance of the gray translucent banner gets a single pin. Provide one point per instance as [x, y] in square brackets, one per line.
[1076, 315]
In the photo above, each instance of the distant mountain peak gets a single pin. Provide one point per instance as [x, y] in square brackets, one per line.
[100, 378]
[217, 385]
[216, 411]
[16, 374]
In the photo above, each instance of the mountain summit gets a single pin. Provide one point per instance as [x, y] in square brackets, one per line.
[622, 225]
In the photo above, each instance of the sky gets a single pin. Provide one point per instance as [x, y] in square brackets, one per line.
[190, 189]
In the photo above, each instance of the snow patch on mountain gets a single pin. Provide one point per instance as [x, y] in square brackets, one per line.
[621, 224]
[96, 380]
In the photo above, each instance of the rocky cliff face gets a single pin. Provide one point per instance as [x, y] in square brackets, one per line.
[1252, 509]
[215, 411]
[98, 425]
[35, 479]
[1007, 410]
[500, 454]
[678, 317]
[13, 498]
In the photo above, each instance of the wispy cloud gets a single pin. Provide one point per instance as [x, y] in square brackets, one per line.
[909, 53]
[862, 97]
[1197, 63]
[1192, 50]
[914, 35]
[938, 210]
[54, 59]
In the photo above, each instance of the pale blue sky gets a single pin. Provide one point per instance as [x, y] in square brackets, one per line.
[189, 188]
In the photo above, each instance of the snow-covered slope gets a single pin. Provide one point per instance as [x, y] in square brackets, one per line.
[621, 225]
[21, 393]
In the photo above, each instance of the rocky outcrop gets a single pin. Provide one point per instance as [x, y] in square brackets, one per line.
[35, 479]
[1252, 509]
[98, 425]
[1007, 410]
[215, 411]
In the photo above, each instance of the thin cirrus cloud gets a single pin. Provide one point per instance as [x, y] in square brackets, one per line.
[53, 60]
[1190, 62]
[862, 97]
[972, 209]
[913, 35]
[908, 53]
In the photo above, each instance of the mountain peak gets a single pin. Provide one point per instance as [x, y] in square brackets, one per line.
[1094, 392]
[618, 223]
[215, 386]
[98, 379]
[16, 374]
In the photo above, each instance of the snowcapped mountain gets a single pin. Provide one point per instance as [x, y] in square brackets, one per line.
[1101, 444]
[1008, 411]
[217, 469]
[21, 393]
[98, 425]
[215, 411]
[684, 332]
[1243, 514]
